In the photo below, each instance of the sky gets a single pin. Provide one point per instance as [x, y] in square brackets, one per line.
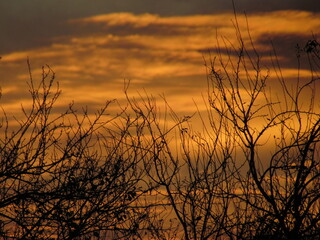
[160, 46]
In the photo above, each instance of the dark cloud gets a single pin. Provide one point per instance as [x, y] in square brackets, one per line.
[284, 42]
[287, 47]
[273, 5]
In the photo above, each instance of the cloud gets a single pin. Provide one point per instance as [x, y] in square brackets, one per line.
[159, 54]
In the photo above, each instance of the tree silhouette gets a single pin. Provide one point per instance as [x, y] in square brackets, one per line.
[249, 168]
[252, 172]
[67, 175]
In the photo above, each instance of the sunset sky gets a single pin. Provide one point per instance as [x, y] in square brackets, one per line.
[159, 45]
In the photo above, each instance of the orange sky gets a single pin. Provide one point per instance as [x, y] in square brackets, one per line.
[161, 54]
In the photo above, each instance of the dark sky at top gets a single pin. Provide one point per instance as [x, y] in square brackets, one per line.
[33, 23]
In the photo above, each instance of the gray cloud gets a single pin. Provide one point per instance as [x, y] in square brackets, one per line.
[287, 47]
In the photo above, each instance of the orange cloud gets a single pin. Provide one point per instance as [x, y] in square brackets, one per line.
[160, 54]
